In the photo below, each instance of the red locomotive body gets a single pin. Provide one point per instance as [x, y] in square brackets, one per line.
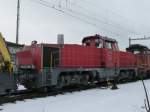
[70, 55]
[77, 56]
[127, 59]
[142, 56]
[30, 57]
[97, 59]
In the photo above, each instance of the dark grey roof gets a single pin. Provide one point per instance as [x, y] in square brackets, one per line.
[137, 47]
[13, 44]
[97, 36]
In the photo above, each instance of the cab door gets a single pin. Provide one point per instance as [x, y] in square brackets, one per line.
[112, 56]
[50, 57]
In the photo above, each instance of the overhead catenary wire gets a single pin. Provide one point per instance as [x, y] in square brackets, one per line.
[97, 17]
[72, 14]
[98, 21]
[122, 18]
[103, 19]
[53, 6]
[105, 26]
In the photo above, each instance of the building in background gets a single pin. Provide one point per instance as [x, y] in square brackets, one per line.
[13, 48]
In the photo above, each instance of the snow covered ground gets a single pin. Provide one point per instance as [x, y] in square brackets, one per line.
[21, 87]
[128, 98]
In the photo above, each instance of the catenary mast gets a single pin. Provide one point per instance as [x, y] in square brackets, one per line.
[18, 20]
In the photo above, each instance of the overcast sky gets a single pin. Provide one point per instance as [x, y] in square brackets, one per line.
[117, 19]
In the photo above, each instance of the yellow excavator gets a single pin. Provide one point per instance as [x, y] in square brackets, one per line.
[5, 57]
[7, 78]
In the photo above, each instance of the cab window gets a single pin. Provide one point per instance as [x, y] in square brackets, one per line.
[109, 45]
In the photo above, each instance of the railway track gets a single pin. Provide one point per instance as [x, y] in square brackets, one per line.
[28, 94]
[25, 94]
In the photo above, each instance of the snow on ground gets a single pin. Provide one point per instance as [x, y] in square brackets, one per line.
[128, 98]
[21, 87]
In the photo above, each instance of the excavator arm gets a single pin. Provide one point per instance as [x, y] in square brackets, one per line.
[5, 58]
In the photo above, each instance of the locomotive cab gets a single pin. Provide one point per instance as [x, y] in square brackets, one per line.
[100, 42]
[109, 49]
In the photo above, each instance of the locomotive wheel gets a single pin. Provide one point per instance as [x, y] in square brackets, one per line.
[91, 79]
[79, 79]
[121, 76]
[60, 81]
[97, 79]
[75, 79]
[67, 79]
[132, 75]
[84, 80]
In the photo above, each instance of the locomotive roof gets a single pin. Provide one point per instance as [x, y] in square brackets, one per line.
[105, 38]
[137, 47]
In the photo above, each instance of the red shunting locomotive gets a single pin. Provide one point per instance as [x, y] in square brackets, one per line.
[98, 59]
